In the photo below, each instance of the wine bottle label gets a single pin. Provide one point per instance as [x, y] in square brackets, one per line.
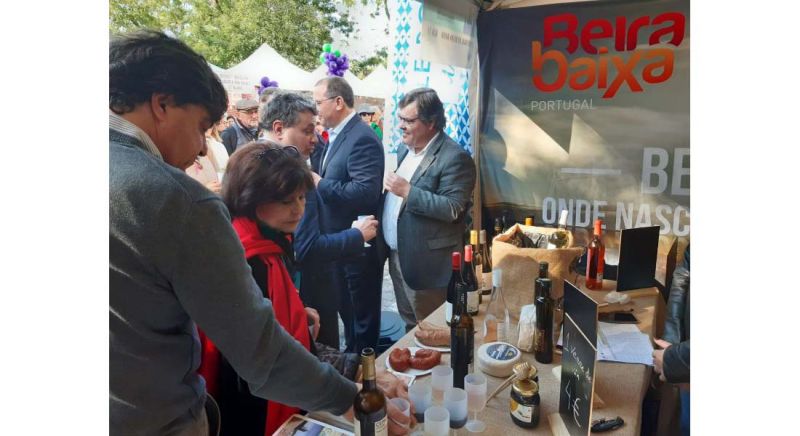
[378, 428]
[523, 413]
[473, 300]
[479, 276]
[448, 312]
[487, 283]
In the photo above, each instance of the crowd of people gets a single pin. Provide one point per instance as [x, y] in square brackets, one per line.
[234, 250]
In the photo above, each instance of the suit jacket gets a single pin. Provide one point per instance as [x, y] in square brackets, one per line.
[313, 248]
[431, 221]
[352, 176]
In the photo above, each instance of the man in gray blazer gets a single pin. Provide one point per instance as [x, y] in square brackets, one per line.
[424, 206]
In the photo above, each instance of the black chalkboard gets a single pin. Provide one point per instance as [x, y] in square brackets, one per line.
[578, 361]
[582, 309]
[638, 252]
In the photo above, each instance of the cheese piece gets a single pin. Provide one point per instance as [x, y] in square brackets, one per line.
[498, 358]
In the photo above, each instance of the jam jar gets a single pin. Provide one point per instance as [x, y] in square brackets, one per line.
[525, 403]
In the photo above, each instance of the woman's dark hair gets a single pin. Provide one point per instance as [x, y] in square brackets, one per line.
[144, 63]
[429, 108]
[263, 172]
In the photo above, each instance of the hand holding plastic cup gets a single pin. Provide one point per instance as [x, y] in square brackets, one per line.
[405, 407]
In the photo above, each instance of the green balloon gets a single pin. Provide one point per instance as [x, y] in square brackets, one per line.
[337, 53]
[326, 48]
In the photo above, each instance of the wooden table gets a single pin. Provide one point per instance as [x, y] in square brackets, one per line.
[621, 386]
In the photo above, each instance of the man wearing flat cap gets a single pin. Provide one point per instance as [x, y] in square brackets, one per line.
[245, 126]
[367, 114]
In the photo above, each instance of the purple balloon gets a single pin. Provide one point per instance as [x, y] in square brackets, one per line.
[264, 81]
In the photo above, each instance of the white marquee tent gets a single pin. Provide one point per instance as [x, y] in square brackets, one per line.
[377, 83]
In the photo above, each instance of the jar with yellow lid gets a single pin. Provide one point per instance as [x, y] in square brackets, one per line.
[525, 403]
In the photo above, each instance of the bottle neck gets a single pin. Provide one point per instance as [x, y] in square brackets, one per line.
[368, 371]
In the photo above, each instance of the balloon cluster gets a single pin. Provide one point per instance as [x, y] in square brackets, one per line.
[336, 62]
[266, 83]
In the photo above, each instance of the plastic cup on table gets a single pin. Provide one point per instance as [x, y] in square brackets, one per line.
[437, 421]
[421, 395]
[455, 400]
[475, 386]
[441, 379]
[404, 406]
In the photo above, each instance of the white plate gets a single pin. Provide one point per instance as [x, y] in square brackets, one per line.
[409, 371]
[439, 349]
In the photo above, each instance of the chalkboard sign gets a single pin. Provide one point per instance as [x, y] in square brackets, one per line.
[578, 360]
[638, 253]
[583, 310]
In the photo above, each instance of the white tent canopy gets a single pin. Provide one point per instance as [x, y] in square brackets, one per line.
[376, 84]
[265, 61]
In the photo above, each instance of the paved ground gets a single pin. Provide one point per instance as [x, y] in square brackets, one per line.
[387, 301]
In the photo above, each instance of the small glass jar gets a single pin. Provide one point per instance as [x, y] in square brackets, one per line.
[525, 403]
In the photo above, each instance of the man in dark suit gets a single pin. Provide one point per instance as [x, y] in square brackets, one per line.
[427, 199]
[349, 185]
[288, 119]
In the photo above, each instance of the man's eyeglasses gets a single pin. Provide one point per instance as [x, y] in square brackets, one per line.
[319, 102]
[407, 120]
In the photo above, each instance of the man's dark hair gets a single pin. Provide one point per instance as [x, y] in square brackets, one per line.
[262, 172]
[335, 86]
[429, 108]
[144, 63]
[287, 107]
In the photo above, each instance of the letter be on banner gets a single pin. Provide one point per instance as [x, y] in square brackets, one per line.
[649, 169]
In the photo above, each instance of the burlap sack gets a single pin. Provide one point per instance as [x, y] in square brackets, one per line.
[521, 267]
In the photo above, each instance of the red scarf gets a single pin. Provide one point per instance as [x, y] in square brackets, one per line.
[286, 304]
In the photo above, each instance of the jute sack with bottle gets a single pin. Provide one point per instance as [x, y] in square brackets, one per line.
[521, 266]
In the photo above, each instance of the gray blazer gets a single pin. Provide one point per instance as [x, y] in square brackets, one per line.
[431, 221]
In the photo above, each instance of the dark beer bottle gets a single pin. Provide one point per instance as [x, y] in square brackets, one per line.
[543, 339]
[369, 407]
[462, 339]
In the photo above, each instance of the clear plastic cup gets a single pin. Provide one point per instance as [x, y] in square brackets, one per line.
[437, 421]
[405, 407]
[421, 395]
[455, 400]
[475, 386]
[441, 379]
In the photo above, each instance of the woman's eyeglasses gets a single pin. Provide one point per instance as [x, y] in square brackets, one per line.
[272, 153]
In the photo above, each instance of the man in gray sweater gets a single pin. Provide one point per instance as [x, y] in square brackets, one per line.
[175, 262]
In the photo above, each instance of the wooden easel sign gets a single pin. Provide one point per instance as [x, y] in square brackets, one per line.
[578, 361]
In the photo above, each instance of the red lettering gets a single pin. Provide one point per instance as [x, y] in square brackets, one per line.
[538, 67]
[633, 31]
[678, 28]
[588, 34]
[667, 63]
[619, 37]
[582, 67]
[551, 34]
[624, 75]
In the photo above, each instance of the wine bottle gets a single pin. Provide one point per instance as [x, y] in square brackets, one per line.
[559, 238]
[455, 279]
[498, 226]
[477, 262]
[486, 269]
[543, 339]
[542, 275]
[470, 282]
[595, 258]
[462, 339]
[497, 322]
[369, 406]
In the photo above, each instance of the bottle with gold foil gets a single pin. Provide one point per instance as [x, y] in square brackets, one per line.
[529, 221]
[486, 269]
[595, 258]
[369, 407]
[477, 262]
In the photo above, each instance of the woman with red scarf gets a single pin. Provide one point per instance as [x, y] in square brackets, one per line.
[264, 190]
